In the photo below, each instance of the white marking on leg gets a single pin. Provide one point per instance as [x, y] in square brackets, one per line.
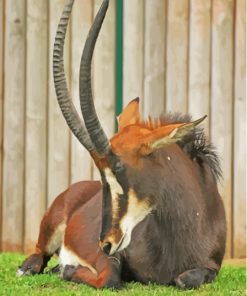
[56, 239]
[68, 257]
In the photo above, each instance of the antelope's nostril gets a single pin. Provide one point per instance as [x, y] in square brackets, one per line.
[106, 248]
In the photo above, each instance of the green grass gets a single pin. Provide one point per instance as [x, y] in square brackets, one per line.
[231, 281]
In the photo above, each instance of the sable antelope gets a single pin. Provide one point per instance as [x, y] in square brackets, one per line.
[156, 216]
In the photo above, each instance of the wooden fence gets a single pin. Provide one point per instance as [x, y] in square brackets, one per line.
[178, 55]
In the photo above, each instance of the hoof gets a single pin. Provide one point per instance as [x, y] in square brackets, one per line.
[20, 272]
[68, 272]
[192, 279]
[34, 264]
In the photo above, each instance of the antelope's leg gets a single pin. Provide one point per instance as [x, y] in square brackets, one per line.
[50, 238]
[108, 274]
[193, 278]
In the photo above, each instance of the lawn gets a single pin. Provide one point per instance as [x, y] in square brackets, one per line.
[231, 281]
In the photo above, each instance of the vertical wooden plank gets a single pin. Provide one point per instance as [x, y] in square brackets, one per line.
[104, 73]
[177, 56]
[14, 106]
[1, 106]
[58, 132]
[239, 192]
[154, 57]
[81, 22]
[199, 59]
[36, 117]
[222, 101]
[133, 50]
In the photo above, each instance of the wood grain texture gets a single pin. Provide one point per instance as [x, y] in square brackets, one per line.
[200, 60]
[82, 14]
[154, 57]
[104, 73]
[36, 119]
[222, 100]
[58, 132]
[133, 68]
[1, 105]
[177, 56]
[239, 192]
[13, 147]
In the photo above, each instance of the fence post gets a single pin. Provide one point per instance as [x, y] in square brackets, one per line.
[239, 192]
[14, 130]
[222, 100]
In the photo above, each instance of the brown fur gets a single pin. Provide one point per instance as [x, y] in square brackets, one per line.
[185, 231]
[200, 241]
[62, 208]
[80, 208]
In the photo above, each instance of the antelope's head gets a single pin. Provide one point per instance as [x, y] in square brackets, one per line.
[129, 162]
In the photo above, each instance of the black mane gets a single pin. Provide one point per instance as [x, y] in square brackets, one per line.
[196, 144]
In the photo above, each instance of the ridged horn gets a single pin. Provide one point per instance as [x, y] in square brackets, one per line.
[66, 105]
[95, 131]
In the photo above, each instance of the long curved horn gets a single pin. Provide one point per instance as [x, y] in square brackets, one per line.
[66, 105]
[91, 120]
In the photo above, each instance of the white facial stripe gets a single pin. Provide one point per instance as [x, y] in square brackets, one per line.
[137, 210]
[115, 189]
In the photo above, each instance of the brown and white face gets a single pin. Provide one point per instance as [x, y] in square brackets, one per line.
[127, 192]
[122, 210]
[127, 198]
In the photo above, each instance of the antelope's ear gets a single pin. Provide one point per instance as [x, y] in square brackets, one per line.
[130, 115]
[166, 135]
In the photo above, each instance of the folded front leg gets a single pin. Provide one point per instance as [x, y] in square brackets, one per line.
[48, 243]
[193, 278]
[50, 238]
[108, 273]
[34, 264]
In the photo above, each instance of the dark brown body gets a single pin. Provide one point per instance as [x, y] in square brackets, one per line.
[185, 232]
